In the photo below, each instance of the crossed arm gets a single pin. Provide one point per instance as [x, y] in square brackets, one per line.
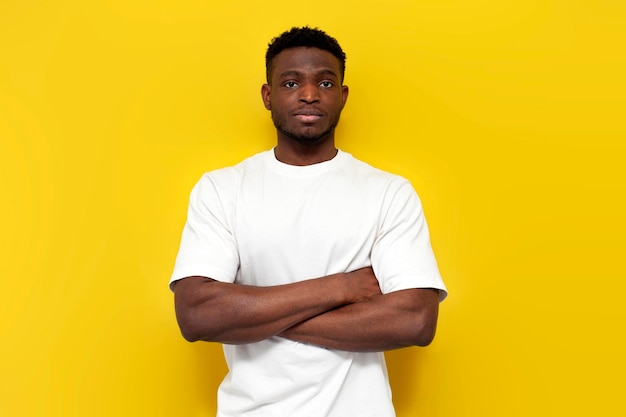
[343, 311]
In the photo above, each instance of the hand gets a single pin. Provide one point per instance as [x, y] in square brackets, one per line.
[361, 285]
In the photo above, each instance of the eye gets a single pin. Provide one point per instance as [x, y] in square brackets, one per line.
[326, 84]
[290, 84]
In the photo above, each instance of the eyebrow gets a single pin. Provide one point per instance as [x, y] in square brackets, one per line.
[294, 73]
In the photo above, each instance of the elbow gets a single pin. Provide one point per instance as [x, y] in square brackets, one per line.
[188, 330]
[190, 304]
[189, 334]
[189, 337]
[424, 336]
[193, 328]
[424, 329]
[419, 310]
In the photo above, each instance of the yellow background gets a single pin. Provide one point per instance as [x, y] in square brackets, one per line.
[507, 116]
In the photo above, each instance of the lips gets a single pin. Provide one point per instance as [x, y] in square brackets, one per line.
[308, 115]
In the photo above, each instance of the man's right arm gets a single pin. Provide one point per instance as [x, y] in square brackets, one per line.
[232, 313]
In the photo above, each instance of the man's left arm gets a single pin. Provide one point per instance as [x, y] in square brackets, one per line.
[389, 321]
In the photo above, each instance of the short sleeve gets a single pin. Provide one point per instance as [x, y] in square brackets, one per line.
[402, 256]
[208, 247]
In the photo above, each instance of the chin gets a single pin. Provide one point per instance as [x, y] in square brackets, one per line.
[307, 138]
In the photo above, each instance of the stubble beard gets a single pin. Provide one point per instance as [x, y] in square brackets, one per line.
[301, 138]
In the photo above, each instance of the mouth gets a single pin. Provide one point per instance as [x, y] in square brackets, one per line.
[308, 115]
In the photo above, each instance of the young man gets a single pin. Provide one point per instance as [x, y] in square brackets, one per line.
[304, 262]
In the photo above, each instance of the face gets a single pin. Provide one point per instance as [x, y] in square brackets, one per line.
[305, 94]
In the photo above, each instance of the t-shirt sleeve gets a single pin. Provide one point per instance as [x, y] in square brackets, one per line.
[208, 247]
[402, 256]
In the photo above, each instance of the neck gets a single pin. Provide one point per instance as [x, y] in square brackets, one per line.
[295, 153]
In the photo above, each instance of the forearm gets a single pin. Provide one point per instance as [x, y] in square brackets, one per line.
[391, 321]
[231, 313]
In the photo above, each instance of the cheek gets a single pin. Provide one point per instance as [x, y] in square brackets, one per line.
[278, 117]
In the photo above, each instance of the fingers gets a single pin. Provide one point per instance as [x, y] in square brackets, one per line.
[363, 285]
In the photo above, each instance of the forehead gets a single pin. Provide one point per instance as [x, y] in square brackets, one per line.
[305, 60]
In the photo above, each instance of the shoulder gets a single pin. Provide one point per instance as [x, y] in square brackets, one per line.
[223, 183]
[393, 191]
[231, 175]
[374, 176]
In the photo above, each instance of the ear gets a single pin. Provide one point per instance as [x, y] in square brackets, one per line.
[266, 92]
[344, 95]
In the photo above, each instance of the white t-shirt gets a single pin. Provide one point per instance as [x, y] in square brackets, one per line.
[263, 222]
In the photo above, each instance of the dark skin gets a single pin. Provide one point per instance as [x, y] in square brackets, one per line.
[305, 96]
[344, 311]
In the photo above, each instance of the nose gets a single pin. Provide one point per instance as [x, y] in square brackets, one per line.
[308, 93]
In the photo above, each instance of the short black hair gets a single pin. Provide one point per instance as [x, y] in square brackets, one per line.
[303, 37]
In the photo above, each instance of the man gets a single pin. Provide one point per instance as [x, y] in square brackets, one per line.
[304, 262]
